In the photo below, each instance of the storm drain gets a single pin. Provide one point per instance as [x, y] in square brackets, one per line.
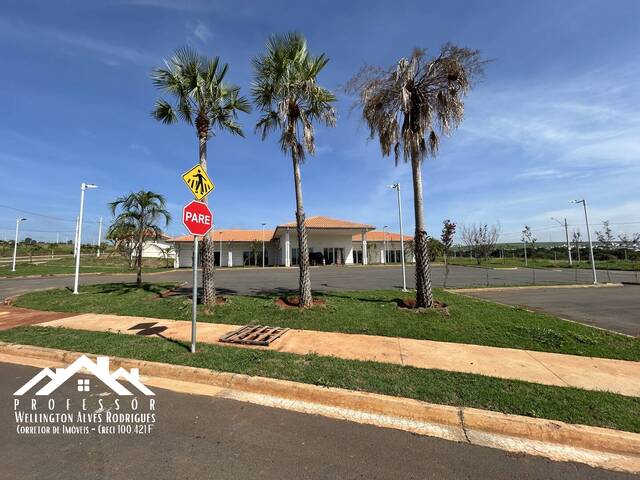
[253, 335]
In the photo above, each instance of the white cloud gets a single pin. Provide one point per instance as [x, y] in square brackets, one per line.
[111, 54]
[199, 32]
[138, 148]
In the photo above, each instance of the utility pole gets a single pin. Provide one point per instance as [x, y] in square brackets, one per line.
[15, 244]
[83, 187]
[566, 234]
[99, 236]
[396, 186]
[586, 219]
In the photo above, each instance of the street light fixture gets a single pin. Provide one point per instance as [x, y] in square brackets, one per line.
[396, 187]
[586, 219]
[83, 187]
[15, 244]
[263, 225]
[566, 233]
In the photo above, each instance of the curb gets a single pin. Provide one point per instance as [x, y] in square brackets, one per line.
[532, 287]
[598, 447]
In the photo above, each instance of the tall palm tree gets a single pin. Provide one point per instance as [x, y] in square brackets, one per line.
[140, 213]
[204, 100]
[406, 106]
[286, 91]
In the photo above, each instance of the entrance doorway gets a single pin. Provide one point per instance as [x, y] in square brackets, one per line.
[333, 256]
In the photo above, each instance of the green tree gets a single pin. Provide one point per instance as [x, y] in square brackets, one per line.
[204, 100]
[407, 106]
[286, 91]
[139, 214]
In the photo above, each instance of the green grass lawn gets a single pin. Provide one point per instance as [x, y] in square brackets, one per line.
[544, 263]
[88, 264]
[460, 389]
[372, 312]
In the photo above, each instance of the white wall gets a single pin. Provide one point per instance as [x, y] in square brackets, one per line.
[155, 250]
[319, 241]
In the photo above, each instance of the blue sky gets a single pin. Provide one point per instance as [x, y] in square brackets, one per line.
[556, 117]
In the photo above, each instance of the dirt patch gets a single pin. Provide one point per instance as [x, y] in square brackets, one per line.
[293, 301]
[410, 304]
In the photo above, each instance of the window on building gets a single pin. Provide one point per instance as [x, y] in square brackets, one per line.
[294, 256]
[357, 256]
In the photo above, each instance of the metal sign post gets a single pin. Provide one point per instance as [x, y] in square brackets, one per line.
[198, 220]
[194, 308]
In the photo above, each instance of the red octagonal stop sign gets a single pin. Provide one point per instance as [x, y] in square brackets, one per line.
[197, 217]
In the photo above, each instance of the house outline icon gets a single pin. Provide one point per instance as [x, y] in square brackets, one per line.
[99, 368]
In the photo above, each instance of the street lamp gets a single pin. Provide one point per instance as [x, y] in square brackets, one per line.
[83, 187]
[99, 236]
[566, 233]
[384, 242]
[586, 219]
[396, 186]
[15, 244]
[263, 224]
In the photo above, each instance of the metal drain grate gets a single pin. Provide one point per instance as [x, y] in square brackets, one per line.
[253, 335]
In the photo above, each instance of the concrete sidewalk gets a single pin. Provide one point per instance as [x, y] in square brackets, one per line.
[617, 376]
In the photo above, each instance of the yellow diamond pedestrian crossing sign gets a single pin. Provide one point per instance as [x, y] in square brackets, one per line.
[198, 182]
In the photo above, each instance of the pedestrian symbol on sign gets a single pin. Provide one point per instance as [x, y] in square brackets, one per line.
[198, 182]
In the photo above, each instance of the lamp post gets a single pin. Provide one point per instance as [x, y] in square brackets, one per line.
[75, 238]
[83, 187]
[99, 236]
[384, 242]
[586, 219]
[566, 233]
[15, 244]
[263, 224]
[396, 186]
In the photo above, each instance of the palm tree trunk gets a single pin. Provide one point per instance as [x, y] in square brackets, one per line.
[208, 251]
[139, 262]
[306, 300]
[424, 295]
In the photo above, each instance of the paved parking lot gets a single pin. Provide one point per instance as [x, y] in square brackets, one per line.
[615, 308]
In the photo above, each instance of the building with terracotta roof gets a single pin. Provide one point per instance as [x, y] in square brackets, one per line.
[331, 241]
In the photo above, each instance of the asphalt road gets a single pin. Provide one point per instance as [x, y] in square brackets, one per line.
[201, 438]
[253, 280]
[616, 309]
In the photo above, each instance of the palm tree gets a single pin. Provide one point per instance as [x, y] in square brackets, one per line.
[139, 215]
[204, 100]
[406, 106]
[285, 90]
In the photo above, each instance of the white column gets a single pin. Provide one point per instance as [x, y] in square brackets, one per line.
[287, 249]
[229, 258]
[382, 255]
[176, 259]
[364, 247]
